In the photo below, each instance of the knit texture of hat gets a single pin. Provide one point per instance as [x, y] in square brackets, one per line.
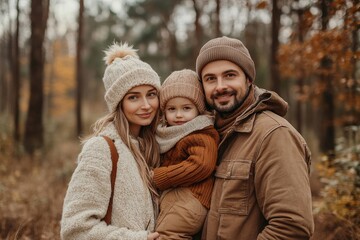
[125, 71]
[183, 83]
[224, 48]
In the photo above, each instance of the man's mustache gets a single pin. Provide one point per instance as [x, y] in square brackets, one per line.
[223, 93]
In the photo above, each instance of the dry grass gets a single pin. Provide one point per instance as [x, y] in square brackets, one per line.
[32, 190]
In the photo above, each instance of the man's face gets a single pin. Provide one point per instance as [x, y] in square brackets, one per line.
[225, 85]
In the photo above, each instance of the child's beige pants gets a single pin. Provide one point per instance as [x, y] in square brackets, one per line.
[181, 214]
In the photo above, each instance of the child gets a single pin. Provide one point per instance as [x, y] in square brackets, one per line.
[132, 98]
[188, 146]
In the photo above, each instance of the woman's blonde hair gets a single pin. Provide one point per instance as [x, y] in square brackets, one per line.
[147, 145]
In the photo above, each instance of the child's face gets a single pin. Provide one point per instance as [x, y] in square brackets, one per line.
[180, 110]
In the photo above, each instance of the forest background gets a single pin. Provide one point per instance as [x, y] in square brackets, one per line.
[51, 90]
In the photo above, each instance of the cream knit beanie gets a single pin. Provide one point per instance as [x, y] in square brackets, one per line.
[124, 71]
[183, 83]
[224, 48]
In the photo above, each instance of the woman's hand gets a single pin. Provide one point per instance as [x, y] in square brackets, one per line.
[153, 236]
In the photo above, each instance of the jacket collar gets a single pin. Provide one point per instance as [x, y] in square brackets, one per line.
[264, 101]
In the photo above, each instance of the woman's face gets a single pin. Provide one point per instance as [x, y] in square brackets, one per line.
[140, 105]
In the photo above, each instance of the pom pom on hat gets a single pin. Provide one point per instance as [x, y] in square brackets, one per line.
[125, 71]
[119, 51]
[224, 48]
[184, 83]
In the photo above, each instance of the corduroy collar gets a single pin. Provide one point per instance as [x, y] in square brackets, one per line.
[242, 120]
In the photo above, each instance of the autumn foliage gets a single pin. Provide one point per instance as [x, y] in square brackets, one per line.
[323, 63]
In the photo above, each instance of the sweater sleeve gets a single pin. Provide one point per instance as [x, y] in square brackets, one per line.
[88, 195]
[283, 188]
[201, 152]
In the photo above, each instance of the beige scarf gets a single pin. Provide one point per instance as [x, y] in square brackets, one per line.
[168, 136]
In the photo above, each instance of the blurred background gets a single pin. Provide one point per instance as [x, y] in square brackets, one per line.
[51, 90]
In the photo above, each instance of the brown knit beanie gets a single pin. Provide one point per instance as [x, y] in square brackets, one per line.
[224, 48]
[183, 83]
[124, 71]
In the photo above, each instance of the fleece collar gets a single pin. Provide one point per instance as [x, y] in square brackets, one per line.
[167, 137]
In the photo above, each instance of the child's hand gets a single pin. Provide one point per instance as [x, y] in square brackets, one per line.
[153, 236]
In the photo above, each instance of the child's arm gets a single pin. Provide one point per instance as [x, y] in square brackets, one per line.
[199, 152]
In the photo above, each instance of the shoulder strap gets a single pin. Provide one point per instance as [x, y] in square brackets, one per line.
[114, 160]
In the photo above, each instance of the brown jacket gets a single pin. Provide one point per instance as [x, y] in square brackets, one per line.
[190, 163]
[262, 188]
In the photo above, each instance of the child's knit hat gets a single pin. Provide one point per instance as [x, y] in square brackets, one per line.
[224, 48]
[183, 83]
[123, 72]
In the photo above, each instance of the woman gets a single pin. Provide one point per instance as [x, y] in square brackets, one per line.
[132, 98]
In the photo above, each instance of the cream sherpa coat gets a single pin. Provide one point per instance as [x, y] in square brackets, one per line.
[88, 195]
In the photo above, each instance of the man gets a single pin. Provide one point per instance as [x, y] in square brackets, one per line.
[262, 188]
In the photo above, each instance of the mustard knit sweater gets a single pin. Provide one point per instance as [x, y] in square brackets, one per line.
[88, 195]
[189, 157]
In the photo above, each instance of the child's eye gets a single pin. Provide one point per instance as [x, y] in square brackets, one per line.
[152, 94]
[170, 109]
[187, 108]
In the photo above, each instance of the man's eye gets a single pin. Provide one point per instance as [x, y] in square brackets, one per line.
[207, 79]
[229, 75]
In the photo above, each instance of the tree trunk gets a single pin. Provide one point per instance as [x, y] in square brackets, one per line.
[300, 80]
[79, 70]
[16, 89]
[3, 85]
[275, 26]
[6, 57]
[171, 43]
[355, 114]
[217, 19]
[10, 52]
[198, 30]
[34, 138]
[327, 128]
[173, 51]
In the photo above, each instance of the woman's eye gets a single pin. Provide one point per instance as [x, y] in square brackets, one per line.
[132, 97]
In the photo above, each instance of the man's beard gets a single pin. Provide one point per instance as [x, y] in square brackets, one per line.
[228, 108]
